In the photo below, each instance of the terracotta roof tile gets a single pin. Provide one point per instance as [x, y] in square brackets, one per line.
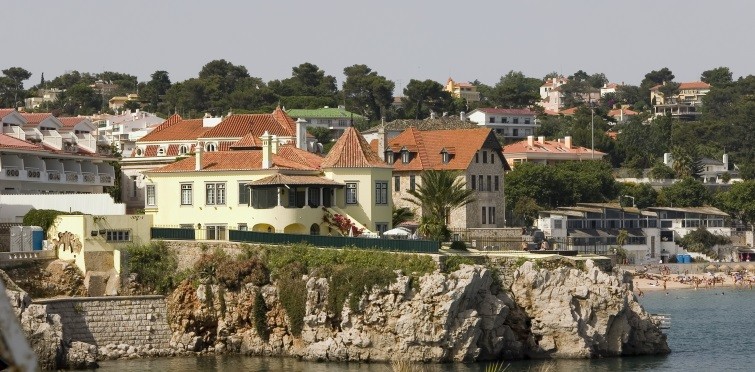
[70, 122]
[551, 147]
[352, 151]
[288, 157]
[687, 85]
[5, 112]
[9, 142]
[284, 179]
[617, 112]
[237, 126]
[182, 130]
[427, 146]
[249, 141]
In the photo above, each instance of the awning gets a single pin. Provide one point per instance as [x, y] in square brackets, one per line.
[286, 180]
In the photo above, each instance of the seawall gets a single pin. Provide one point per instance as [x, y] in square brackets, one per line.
[130, 320]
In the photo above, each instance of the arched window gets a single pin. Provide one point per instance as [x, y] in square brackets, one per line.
[314, 229]
[183, 150]
[210, 147]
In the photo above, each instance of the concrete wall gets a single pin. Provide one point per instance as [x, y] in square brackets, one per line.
[132, 320]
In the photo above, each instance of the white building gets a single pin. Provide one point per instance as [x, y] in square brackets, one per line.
[122, 131]
[510, 123]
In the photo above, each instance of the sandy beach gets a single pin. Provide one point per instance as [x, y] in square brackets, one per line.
[658, 282]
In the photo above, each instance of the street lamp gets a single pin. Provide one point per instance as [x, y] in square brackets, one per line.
[592, 129]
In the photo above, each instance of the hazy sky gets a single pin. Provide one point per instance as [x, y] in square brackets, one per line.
[406, 39]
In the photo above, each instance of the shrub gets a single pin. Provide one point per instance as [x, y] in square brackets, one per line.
[453, 263]
[459, 246]
[43, 218]
[293, 298]
[233, 273]
[260, 316]
[155, 266]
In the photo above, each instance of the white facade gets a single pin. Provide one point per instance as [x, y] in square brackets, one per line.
[511, 123]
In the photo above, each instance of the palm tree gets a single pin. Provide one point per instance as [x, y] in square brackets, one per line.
[401, 215]
[439, 193]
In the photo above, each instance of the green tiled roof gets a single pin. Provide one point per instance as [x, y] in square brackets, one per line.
[323, 113]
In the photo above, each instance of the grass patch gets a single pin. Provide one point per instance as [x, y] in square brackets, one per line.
[453, 263]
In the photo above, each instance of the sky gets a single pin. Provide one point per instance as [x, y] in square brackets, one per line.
[401, 40]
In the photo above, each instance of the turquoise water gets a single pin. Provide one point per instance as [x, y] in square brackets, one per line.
[712, 330]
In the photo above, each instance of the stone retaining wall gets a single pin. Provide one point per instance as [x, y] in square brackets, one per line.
[130, 320]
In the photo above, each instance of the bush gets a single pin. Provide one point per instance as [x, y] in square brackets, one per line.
[453, 263]
[155, 266]
[293, 298]
[459, 246]
[43, 218]
[233, 273]
[260, 316]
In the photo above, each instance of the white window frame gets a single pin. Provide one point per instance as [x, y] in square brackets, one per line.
[352, 193]
[187, 193]
[150, 194]
[215, 193]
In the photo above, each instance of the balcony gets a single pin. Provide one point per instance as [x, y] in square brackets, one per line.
[53, 176]
[89, 177]
[72, 177]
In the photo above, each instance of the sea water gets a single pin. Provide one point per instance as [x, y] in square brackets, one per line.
[711, 330]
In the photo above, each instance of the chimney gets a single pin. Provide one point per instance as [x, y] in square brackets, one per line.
[725, 160]
[432, 115]
[463, 116]
[301, 134]
[381, 140]
[274, 142]
[667, 160]
[541, 139]
[530, 141]
[267, 151]
[567, 142]
[198, 156]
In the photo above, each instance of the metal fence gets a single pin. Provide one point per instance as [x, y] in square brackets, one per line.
[392, 245]
[521, 242]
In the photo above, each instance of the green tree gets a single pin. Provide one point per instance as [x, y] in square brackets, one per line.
[515, 90]
[308, 87]
[438, 194]
[367, 93]
[661, 171]
[686, 161]
[526, 209]
[644, 195]
[321, 134]
[401, 215]
[686, 193]
[653, 78]
[422, 97]
[718, 77]
[12, 85]
[739, 201]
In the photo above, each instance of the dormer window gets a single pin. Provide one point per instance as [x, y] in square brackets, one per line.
[183, 150]
[139, 151]
[161, 151]
[210, 147]
[446, 157]
[389, 157]
[405, 156]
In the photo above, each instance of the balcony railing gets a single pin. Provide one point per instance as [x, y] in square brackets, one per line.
[89, 177]
[72, 177]
[11, 172]
[33, 173]
[106, 178]
[53, 176]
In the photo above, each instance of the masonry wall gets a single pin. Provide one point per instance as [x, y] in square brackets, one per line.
[131, 320]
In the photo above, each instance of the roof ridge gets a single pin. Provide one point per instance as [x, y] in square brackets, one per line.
[422, 149]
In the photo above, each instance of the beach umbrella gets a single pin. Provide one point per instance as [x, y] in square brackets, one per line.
[738, 267]
[710, 268]
[399, 231]
[724, 268]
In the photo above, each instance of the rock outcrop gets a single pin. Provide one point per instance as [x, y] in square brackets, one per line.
[467, 315]
[45, 333]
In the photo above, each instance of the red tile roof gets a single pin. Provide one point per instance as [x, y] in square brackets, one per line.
[284, 179]
[552, 147]
[33, 119]
[70, 122]
[8, 142]
[569, 111]
[426, 148]
[183, 130]
[173, 119]
[352, 151]
[287, 158]
[237, 126]
[249, 141]
[617, 112]
[5, 112]
[507, 111]
[687, 85]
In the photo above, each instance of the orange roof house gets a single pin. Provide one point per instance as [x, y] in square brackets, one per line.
[475, 153]
[547, 152]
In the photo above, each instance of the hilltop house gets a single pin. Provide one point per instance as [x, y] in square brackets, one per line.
[552, 96]
[547, 152]
[685, 105]
[261, 184]
[463, 90]
[510, 123]
[475, 153]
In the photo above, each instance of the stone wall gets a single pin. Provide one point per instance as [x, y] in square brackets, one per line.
[132, 320]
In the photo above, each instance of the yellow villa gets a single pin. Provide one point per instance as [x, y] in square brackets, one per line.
[262, 185]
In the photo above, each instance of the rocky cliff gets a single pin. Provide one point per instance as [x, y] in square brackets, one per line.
[471, 314]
